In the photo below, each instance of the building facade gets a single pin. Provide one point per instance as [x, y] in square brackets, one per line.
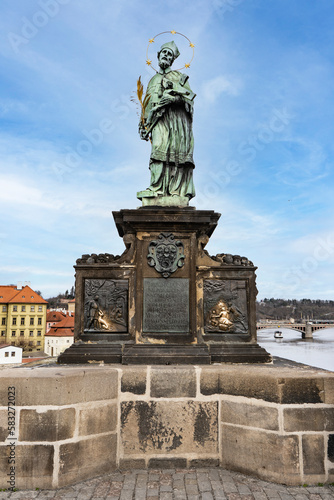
[60, 337]
[10, 354]
[22, 318]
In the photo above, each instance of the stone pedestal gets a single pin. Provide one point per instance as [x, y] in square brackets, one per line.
[165, 300]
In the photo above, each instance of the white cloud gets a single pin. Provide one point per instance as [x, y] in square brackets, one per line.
[212, 89]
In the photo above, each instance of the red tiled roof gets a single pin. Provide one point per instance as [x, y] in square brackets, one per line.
[10, 294]
[27, 295]
[64, 328]
[54, 316]
[6, 293]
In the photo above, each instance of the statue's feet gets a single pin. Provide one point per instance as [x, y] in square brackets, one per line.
[148, 193]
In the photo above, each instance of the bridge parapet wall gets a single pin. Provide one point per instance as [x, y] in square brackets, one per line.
[73, 423]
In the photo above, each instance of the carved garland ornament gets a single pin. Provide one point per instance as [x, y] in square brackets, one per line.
[165, 254]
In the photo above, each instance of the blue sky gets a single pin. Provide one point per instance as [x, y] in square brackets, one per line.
[263, 73]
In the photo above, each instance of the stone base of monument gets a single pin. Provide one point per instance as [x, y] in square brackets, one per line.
[172, 354]
[149, 199]
[165, 299]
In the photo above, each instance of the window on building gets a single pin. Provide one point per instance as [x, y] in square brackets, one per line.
[32, 308]
[13, 354]
[13, 333]
[4, 309]
[38, 342]
[68, 341]
[31, 334]
[22, 321]
[3, 333]
[31, 321]
[14, 321]
[21, 333]
[15, 308]
[12, 343]
[40, 308]
[3, 321]
[39, 333]
[32, 296]
[23, 308]
[39, 321]
[31, 343]
[6, 354]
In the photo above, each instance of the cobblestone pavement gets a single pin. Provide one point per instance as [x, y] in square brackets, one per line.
[178, 484]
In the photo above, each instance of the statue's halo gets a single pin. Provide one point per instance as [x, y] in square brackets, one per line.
[152, 40]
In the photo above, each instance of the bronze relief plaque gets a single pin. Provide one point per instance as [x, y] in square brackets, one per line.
[166, 305]
[106, 305]
[225, 306]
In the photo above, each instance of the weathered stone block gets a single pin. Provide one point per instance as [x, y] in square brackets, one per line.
[204, 462]
[330, 447]
[308, 419]
[101, 418]
[302, 390]
[86, 459]
[329, 389]
[51, 425]
[132, 463]
[209, 382]
[251, 415]
[331, 475]
[65, 385]
[313, 454]
[250, 384]
[167, 463]
[33, 466]
[263, 454]
[173, 382]
[173, 427]
[134, 380]
[271, 383]
[3, 425]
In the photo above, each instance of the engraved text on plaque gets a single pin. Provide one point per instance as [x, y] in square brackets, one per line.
[166, 305]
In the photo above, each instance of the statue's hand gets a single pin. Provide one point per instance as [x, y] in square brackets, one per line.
[167, 99]
[143, 133]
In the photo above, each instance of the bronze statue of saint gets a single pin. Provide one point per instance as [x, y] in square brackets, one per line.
[167, 122]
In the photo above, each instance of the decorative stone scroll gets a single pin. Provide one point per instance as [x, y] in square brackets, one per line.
[225, 306]
[106, 305]
[165, 254]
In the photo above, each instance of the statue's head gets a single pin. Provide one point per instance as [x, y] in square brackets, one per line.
[167, 54]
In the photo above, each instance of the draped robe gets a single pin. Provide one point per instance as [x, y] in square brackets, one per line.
[171, 161]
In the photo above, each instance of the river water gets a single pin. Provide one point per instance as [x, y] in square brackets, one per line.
[318, 352]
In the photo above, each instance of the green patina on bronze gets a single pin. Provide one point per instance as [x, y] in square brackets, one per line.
[167, 122]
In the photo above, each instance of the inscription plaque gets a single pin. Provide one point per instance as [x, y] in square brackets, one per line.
[166, 305]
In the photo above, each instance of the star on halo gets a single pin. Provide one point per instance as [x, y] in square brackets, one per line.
[187, 65]
[173, 32]
[148, 62]
[192, 45]
[151, 40]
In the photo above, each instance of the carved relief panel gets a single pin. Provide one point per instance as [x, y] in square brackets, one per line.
[225, 306]
[106, 305]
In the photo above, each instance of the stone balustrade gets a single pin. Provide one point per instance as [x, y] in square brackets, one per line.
[272, 421]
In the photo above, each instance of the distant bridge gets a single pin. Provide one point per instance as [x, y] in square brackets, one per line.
[306, 329]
